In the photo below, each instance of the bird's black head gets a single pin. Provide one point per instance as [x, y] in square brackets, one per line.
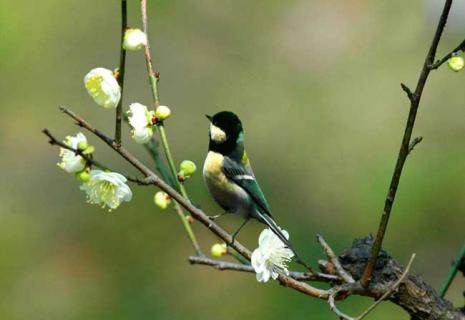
[226, 133]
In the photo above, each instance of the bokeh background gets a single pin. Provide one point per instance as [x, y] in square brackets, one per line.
[316, 83]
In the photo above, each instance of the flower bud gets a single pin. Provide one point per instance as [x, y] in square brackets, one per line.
[219, 249]
[162, 113]
[82, 145]
[89, 150]
[162, 199]
[187, 168]
[456, 63]
[189, 219]
[83, 176]
[134, 39]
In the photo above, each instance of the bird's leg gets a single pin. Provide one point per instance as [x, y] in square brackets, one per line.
[234, 235]
[213, 218]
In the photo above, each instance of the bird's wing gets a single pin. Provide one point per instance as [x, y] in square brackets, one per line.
[243, 176]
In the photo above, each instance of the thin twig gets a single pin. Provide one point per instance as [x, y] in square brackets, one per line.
[196, 213]
[334, 260]
[437, 64]
[405, 146]
[120, 78]
[225, 265]
[452, 272]
[153, 76]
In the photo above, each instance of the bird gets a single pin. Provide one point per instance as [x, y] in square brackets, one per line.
[230, 179]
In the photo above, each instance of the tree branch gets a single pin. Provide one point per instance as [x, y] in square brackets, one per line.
[224, 265]
[121, 70]
[405, 145]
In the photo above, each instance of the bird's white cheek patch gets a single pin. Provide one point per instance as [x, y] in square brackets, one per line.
[217, 134]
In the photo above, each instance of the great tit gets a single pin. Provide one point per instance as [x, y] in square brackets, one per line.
[229, 176]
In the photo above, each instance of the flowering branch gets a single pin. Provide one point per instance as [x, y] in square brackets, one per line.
[406, 145]
[199, 215]
[85, 156]
[153, 80]
[121, 69]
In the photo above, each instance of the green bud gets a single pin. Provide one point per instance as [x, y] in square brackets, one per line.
[82, 145]
[456, 63]
[162, 112]
[134, 39]
[89, 150]
[219, 249]
[83, 175]
[161, 199]
[187, 168]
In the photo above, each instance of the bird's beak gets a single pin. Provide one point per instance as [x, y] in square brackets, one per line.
[208, 117]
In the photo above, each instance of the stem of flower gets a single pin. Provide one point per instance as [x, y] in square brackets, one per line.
[153, 79]
[169, 157]
[452, 272]
[120, 78]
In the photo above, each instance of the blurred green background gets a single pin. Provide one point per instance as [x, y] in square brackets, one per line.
[316, 83]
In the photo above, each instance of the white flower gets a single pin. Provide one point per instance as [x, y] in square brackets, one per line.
[106, 189]
[271, 257]
[134, 39]
[102, 86]
[70, 162]
[140, 120]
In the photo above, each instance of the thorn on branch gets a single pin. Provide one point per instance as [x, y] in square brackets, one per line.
[414, 142]
[410, 94]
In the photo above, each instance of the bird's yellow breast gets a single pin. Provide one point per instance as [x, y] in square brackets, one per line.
[213, 169]
[227, 194]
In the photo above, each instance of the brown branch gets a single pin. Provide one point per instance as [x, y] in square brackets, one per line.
[225, 265]
[196, 213]
[120, 78]
[405, 145]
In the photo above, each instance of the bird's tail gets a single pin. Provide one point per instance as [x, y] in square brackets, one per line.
[277, 231]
